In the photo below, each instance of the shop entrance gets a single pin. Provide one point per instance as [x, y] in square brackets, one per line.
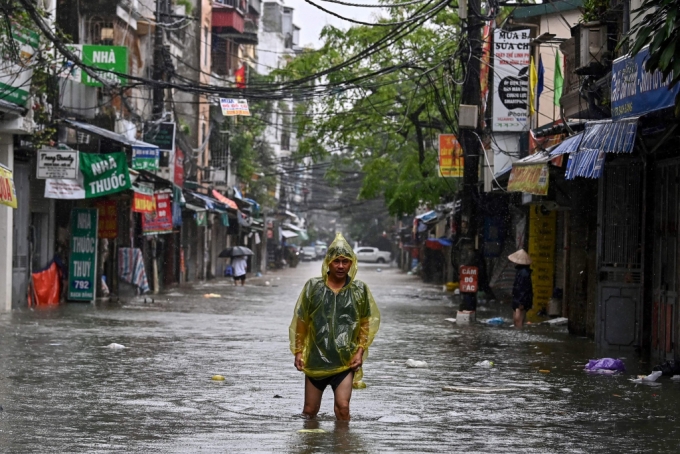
[619, 308]
[665, 259]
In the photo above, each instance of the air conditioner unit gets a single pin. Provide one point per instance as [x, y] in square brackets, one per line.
[591, 43]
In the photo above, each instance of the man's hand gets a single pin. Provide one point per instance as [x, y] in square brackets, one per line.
[357, 360]
[299, 364]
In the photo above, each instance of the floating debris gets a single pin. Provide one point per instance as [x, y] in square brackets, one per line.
[486, 363]
[114, 346]
[473, 390]
[212, 295]
[217, 377]
[412, 363]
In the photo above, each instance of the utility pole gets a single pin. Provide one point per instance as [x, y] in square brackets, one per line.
[469, 139]
[158, 60]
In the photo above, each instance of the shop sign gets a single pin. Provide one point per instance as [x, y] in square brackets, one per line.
[179, 167]
[161, 221]
[510, 80]
[108, 219]
[53, 163]
[104, 174]
[83, 255]
[143, 200]
[532, 179]
[162, 135]
[542, 252]
[15, 71]
[145, 158]
[469, 277]
[64, 189]
[451, 160]
[233, 107]
[636, 91]
[108, 58]
[8, 195]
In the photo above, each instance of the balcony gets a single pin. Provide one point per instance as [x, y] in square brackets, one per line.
[228, 17]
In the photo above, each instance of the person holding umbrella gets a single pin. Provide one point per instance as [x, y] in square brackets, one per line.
[239, 263]
[522, 291]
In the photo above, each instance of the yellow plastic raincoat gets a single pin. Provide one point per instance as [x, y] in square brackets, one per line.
[329, 328]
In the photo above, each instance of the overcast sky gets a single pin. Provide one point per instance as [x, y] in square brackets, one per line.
[311, 20]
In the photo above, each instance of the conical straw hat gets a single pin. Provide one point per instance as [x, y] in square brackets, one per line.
[520, 257]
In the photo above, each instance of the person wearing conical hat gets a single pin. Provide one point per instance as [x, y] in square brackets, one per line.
[334, 323]
[522, 291]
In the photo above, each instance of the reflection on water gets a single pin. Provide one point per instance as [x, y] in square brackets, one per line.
[61, 389]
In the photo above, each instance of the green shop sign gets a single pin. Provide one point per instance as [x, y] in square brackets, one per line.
[109, 58]
[104, 174]
[82, 263]
[16, 69]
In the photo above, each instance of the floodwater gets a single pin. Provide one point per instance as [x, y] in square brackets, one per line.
[62, 390]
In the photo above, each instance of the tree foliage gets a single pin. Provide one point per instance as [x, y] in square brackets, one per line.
[385, 111]
[659, 27]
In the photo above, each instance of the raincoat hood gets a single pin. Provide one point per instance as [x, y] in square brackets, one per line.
[339, 248]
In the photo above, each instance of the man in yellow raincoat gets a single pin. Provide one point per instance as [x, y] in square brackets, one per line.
[334, 322]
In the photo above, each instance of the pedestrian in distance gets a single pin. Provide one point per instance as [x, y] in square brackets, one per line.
[522, 291]
[239, 265]
[334, 323]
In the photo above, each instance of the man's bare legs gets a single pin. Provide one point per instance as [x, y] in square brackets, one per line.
[312, 399]
[342, 396]
[519, 316]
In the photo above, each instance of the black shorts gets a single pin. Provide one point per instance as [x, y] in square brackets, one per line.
[240, 278]
[333, 380]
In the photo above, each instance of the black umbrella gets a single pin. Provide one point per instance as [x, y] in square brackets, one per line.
[236, 251]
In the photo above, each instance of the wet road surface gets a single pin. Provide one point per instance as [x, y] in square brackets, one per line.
[62, 390]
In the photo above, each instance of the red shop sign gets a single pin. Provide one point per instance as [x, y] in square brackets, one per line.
[468, 276]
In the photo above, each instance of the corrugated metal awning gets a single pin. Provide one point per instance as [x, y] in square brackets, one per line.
[610, 136]
[569, 145]
[105, 133]
[600, 138]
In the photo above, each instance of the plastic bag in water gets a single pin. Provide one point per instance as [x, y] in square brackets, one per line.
[605, 364]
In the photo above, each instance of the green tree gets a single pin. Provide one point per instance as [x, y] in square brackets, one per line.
[659, 27]
[386, 110]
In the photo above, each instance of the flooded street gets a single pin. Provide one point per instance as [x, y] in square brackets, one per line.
[62, 390]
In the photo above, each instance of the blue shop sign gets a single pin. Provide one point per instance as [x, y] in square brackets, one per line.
[636, 91]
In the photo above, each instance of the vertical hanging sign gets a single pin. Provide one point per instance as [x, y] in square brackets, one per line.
[451, 160]
[83, 257]
[510, 80]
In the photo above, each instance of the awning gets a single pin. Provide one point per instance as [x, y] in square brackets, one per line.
[230, 203]
[288, 234]
[210, 203]
[569, 145]
[600, 138]
[290, 226]
[610, 136]
[105, 133]
[427, 217]
[191, 207]
[586, 164]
